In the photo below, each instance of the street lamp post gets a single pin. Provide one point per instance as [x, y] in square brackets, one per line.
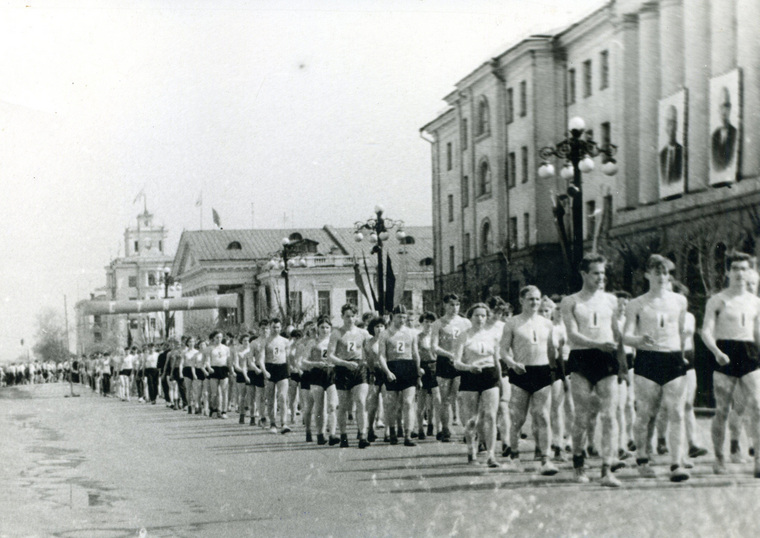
[285, 259]
[379, 228]
[578, 153]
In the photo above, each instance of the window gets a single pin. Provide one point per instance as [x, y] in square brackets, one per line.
[513, 232]
[607, 215]
[464, 133]
[466, 247]
[587, 79]
[526, 238]
[352, 298]
[465, 191]
[449, 156]
[570, 86]
[235, 245]
[160, 246]
[296, 303]
[151, 279]
[323, 303]
[428, 300]
[452, 264]
[523, 98]
[97, 337]
[512, 169]
[606, 139]
[604, 66]
[485, 238]
[524, 163]
[484, 179]
[451, 207]
[132, 281]
[407, 300]
[137, 247]
[510, 105]
[408, 240]
[590, 218]
[96, 319]
[484, 126]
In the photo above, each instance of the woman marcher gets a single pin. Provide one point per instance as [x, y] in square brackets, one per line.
[476, 356]
[239, 362]
[218, 365]
[429, 396]
[323, 391]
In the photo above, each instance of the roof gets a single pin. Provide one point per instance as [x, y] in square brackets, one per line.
[260, 244]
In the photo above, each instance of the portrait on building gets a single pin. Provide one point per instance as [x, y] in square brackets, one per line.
[671, 146]
[725, 127]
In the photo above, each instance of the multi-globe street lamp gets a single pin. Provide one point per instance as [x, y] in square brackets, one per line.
[285, 259]
[578, 153]
[379, 231]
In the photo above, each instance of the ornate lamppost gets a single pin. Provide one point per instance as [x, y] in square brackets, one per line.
[578, 153]
[285, 259]
[379, 231]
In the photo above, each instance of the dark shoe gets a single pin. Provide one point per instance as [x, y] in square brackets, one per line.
[537, 454]
[697, 451]
[343, 440]
[662, 447]
[409, 442]
[371, 437]
[394, 440]
[240, 421]
[506, 451]
[363, 443]
[253, 421]
[445, 436]
[421, 435]
[414, 435]
[335, 440]
[631, 446]
[308, 437]
[321, 439]
[430, 429]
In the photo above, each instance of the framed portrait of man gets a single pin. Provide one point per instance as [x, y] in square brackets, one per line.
[725, 127]
[671, 144]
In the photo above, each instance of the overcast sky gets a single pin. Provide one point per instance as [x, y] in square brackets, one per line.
[299, 113]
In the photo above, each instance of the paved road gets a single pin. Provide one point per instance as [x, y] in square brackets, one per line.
[91, 466]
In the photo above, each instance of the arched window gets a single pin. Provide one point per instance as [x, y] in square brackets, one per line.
[484, 123]
[426, 261]
[408, 240]
[295, 236]
[693, 277]
[485, 238]
[235, 245]
[484, 178]
[720, 265]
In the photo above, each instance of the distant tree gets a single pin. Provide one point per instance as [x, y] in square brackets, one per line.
[50, 337]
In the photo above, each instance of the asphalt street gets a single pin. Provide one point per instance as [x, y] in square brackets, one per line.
[93, 466]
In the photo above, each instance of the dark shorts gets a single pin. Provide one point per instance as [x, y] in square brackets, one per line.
[660, 366]
[176, 376]
[258, 380]
[689, 356]
[488, 378]
[444, 367]
[295, 377]
[744, 358]
[377, 377]
[322, 377]
[220, 372]
[251, 377]
[346, 379]
[406, 375]
[534, 379]
[429, 381]
[126, 372]
[629, 360]
[593, 364]
[239, 377]
[200, 374]
[306, 380]
[187, 371]
[277, 372]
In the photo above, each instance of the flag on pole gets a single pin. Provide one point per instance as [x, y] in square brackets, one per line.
[375, 302]
[390, 285]
[216, 218]
[199, 201]
[359, 280]
[140, 194]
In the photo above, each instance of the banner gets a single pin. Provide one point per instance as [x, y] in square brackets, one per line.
[91, 308]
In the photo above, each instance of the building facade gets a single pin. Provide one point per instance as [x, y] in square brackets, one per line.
[141, 274]
[635, 72]
[321, 274]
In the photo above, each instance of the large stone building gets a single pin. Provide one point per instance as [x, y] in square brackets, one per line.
[635, 72]
[141, 274]
[321, 276]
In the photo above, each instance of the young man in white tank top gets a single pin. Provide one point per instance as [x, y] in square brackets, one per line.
[593, 335]
[731, 331]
